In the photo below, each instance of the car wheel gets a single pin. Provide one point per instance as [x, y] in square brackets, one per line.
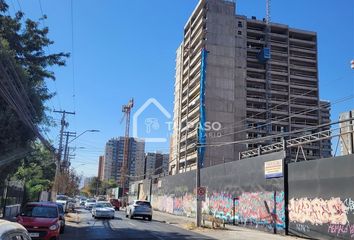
[117, 209]
[62, 230]
[130, 215]
[113, 217]
[150, 218]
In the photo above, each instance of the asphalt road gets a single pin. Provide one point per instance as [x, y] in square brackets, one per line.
[84, 227]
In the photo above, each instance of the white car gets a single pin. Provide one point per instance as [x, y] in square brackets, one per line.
[90, 203]
[139, 208]
[63, 200]
[12, 230]
[103, 209]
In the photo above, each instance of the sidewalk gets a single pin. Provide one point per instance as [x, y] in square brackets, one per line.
[229, 233]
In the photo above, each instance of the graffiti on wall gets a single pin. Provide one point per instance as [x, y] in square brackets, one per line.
[182, 205]
[259, 209]
[332, 212]
[255, 209]
[318, 211]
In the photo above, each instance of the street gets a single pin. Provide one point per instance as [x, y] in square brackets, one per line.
[82, 226]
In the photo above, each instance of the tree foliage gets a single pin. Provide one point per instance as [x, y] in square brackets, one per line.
[98, 187]
[37, 172]
[25, 41]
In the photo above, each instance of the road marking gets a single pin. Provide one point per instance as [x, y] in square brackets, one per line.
[132, 224]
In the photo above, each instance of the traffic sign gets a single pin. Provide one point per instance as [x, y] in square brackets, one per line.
[201, 193]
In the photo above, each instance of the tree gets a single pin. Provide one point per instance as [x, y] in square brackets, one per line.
[25, 44]
[98, 187]
[69, 182]
[37, 172]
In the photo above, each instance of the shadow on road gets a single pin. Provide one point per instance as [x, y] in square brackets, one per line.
[106, 232]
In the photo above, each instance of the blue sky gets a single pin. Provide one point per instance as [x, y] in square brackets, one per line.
[125, 49]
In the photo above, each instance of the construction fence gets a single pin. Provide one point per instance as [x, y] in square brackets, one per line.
[313, 199]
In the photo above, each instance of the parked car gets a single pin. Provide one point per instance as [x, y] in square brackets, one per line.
[83, 201]
[138, 208]
[116, 203]
[61, 217]
[102, 198]
[11, 230]
[90, 203]
[62, 199]
[103, 209]
[41, 219]
[71, 203]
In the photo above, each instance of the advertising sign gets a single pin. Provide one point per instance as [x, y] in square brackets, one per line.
[273, 169]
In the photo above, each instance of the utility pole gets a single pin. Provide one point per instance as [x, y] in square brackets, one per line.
[63, 124]
[66, 148]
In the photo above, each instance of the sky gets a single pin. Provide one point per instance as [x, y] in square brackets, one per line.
[126, 49]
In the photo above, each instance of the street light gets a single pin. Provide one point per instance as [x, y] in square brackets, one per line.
[91, 130]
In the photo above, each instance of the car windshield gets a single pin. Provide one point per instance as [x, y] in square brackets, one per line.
[142, 203]
[40, 211]
[91, 200]
[103, 205]
[61, 198]
[60, 208]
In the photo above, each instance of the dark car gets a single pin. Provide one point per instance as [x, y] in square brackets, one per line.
[61, 217]
[11, 230]
[41, 219]
[116, 203]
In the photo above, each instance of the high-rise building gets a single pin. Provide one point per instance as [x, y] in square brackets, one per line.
[245, 93]
[88, 181]
[346, 129]
[113, 159]
[156, 163]
[100, 173]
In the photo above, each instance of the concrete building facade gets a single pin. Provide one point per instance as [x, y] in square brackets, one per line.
[156, 163]
[248, 98]
[347, 137]
[114, 157]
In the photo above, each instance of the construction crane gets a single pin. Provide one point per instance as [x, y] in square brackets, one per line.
[264, 56]
[126, 109]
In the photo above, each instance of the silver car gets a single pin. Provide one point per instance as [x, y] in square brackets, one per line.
[139, 208]
[90, 203]
[12, 230]
[103, 209]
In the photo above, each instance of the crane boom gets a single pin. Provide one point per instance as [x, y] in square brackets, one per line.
[126, 109]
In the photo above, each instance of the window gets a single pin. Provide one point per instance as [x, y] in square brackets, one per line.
[239, 33]
[239, 24]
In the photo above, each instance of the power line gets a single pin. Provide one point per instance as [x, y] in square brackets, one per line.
[233, 125]
[276, 120]
[72, 52]
[272, 136]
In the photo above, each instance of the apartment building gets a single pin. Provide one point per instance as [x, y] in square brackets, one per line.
[156, 163]
[347, 137]
[114, 158]
[247, 95]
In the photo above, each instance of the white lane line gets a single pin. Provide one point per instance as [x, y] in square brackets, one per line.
[132, 224]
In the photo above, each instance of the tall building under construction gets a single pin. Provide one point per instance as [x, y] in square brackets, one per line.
[246, 79]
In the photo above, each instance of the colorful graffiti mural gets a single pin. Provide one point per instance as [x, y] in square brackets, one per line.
[259, 209]
[256, 209]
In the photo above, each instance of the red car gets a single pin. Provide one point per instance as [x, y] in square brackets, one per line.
[116, 203]
[41, 219]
